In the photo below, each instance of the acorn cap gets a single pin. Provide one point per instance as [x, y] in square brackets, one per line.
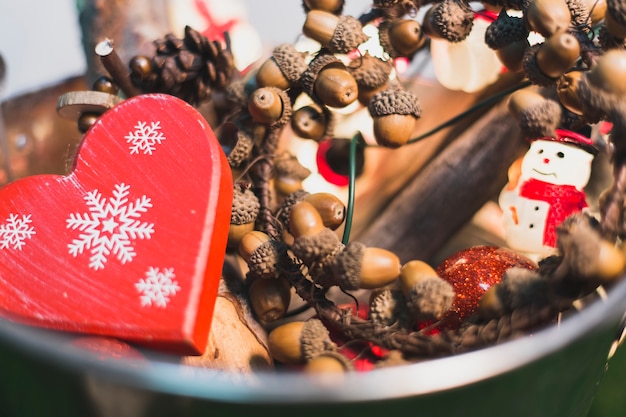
[579, 11]
[608, 41]
[429, 299]
[241, 151]
[394, 101]
[315, 339]
[387, 307]
[290, 61]
[521, 287]
[370, 71]
[317, 247]
[451, 20]
[269, 259]
[245, 206]
[347, 266]
[287, 165]
[321, 61]
[347, 36]
[505, 30]
[541, 119]
[571, 138]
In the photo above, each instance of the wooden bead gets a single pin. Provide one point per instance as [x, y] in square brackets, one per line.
[394, 130]
[566, 88]
[270, 75]
[86, 120]
[379, 267]
[265, 106]
[548, 16]
[305, 220]
[330, 208]
[140, 67]
[609, 72]
[309, 122]
[558, 54]
[250, 242]
[335, 87]
[320, 26]
[105, 85]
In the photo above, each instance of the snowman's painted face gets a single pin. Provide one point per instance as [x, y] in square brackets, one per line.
[557, 163]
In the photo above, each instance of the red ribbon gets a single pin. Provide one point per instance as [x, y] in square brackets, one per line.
[563, 199]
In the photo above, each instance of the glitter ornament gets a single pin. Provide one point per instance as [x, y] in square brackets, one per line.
[472, 272]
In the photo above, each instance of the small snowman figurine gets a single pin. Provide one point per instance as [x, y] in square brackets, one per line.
[545, 187]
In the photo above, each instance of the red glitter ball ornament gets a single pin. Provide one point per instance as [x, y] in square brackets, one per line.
[472, 272]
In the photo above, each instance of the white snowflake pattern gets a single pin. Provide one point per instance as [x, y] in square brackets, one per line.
[110, 226]
[157, 287]
[145, 137]
[16, 231]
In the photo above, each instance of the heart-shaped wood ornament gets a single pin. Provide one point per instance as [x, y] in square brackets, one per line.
[131, 243]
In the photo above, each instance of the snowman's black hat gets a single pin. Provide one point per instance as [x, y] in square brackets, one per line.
[572, 138]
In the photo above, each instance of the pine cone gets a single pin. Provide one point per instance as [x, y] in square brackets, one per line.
[189, 68]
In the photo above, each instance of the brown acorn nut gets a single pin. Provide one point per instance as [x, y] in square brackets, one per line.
[269, 298]
[548, 16]
[335, 87]
[265, 105]
[558, 54]
[298, 341]
[328, 362]
[250, 242]
[566, 88]
[270, 75]
[331, 6]
[524, 99]
[379, 267]
[406, 36]
[305, 220]
[309, 122]
[330, 208]
[394, 113]
[490, 306]
[597, 9]
[609, 73]
[340, 34]
[245, 209]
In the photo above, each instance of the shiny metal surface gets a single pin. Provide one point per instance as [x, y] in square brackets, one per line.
[552, 373]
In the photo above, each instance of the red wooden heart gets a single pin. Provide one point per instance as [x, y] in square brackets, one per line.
[132, 242]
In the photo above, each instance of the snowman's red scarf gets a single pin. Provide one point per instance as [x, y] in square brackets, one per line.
[563, 199]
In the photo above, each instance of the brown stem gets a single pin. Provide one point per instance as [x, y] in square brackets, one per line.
[118, 71]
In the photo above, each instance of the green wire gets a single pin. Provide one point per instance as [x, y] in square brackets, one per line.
[352, 179]
[358, 137]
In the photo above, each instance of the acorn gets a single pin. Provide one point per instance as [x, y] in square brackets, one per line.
[508, 37]
[331, 6]
[609, 73]
[265, 256]
[395, 112]
[269, 298]
[566, 89]
[327, 80]
[288, 174]
[245, 209]
[597, 10]
[450, 19]
[388, 307]
[428, 297]
[524, 99]
[371, 75]
[105, 85]
[270, 106]
[309, 122]
[330, 208]
[401, 37]
[283, 69]
[340, 34]
[490, 305]
[313, 242]
[328, 362]
[361, 267]
[299, 341]
[548, 17]
[236, 144]
[615, 18]
[537, 115]
[557, 54]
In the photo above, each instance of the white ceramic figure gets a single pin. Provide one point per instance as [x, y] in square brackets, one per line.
[545, 187]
